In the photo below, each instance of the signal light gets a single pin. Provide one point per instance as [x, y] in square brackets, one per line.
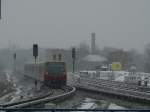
[35, 50]
[73, 53]
[14, 55]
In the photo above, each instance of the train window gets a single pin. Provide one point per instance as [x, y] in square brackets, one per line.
[55, 68]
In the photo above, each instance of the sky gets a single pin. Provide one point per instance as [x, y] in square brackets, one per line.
[64, 23]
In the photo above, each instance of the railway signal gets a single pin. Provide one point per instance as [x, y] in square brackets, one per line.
[35, 51]
[73, 58]
[35, 54]
[73, 53]
[14, 55]
[14, 58]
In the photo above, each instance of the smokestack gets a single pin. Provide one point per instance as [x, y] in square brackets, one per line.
[92, 43]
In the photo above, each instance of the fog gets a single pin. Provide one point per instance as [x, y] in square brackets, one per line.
[64, 23]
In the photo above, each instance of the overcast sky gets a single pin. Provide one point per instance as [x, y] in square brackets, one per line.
[65, 23]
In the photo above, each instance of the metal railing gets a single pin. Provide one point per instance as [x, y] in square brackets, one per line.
[74, 110]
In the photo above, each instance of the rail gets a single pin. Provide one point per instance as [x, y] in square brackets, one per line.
[40, 100]
[25, 101]
[76, 110]
[114, 88]
[117, 85]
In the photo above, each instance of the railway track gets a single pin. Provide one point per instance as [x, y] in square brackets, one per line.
[67, 91]
[114, 87]
[113, 84]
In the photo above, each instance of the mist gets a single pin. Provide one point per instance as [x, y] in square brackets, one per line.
[61, 24]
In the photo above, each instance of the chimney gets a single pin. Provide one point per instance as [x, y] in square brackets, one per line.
[92, 43]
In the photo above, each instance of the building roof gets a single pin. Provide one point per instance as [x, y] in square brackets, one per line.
[94, 58]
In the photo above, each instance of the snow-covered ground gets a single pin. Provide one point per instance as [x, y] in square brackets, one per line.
[90, 103]
[85, 103]
[24, 89]
[115, 106]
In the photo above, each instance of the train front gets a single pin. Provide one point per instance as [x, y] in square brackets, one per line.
[55, 74]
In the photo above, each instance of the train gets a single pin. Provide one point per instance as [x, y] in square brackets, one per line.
[51, 73]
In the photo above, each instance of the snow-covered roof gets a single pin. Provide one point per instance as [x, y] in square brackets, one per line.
[94, 58]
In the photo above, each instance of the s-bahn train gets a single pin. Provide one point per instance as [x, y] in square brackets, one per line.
[52, 74]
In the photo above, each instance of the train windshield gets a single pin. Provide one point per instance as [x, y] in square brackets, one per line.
[55, 68]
